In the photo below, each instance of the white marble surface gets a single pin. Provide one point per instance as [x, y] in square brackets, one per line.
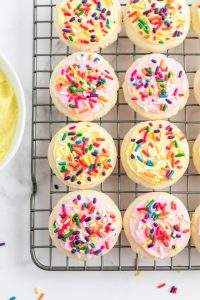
[18, 275]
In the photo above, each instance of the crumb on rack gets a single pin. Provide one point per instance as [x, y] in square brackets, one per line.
[56, 186]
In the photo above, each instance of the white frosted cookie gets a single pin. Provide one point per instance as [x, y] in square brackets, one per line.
[85, 224]
[155, 154]
[195, 17]
[156, 87]
[197, 86]
[82, 155]
[157, 26]
[195, 228]
[157, 225]
[88, 25]
[84, 86]
[196, 153]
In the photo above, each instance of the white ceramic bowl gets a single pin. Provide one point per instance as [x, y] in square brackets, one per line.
[12, 77]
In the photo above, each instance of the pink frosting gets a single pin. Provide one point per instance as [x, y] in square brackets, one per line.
[90, 91]
[147, 92]
[92, 229]
[165, 235]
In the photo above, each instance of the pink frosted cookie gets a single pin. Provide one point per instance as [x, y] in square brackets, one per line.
[156, 87]
[85, 224]
[84, 86]
[157, 225]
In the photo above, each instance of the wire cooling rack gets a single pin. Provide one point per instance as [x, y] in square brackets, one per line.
[46, 121]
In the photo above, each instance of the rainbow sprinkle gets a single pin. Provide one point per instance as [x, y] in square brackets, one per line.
[173, 290]
[160, 226]
[157, 152]
[85, 227]
[83, 153]
[41, 296]
[157, 21]
[83, 83]
[161, 285]
[158, 84]
[87, 21]
[37, 292]
[138, 273]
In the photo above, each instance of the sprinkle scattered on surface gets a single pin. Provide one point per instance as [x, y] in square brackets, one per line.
[138, 273]
[37, 291]
[41, 296]
[161, 285]
[2, 244]
[173, 289]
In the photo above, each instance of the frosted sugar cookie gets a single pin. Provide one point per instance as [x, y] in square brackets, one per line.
[195, 16]
[196, 153]
[197, 86]
[156, 87]
[82, 155]
[155, 154]
[85, 224]
[157, 225]
[195, 228]
[157, 26]
[88, 25]
[84, 86]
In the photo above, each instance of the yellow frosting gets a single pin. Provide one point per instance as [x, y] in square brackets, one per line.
[8, 115]
[83, 153]
[85, 22]
[158, 21]
[157, 152]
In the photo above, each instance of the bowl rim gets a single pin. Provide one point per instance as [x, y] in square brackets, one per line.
[17, 86]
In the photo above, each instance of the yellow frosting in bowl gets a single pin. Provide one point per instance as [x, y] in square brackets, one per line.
[8, 115]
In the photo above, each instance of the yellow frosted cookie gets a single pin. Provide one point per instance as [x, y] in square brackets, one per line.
[82, 155]
[88, 25]
[155, 154]
[157, 26]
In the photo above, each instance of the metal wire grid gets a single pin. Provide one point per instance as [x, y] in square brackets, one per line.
[43, 251]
